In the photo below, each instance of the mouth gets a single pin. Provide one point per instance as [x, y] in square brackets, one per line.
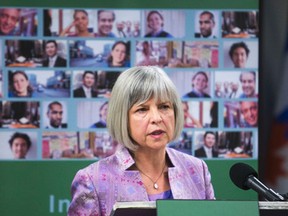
[157, 132]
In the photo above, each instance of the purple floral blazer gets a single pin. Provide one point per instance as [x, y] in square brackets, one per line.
[96, 188]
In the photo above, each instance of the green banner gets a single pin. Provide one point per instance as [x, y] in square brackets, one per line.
[43, 187]
[207, 4]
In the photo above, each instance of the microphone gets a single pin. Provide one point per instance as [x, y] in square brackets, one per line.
[245, 177]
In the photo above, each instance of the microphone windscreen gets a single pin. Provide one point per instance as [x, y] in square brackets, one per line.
[239, 174]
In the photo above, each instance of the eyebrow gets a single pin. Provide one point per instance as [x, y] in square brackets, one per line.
[205, 21]
[54, 111]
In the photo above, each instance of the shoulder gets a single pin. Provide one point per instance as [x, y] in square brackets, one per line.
[11, 94]
[199, 149]
[242, 96]
[98, 125]
[126, 64]
[45, 62]
[200, 152]
[108, 165]
[197, 35]
[165, 34]
[148, 35]
[32, 94]
[94, 93]
[93, 126]
[111, 34]
[78, 89]
[189, 95]
[60, 58]
[94, 170]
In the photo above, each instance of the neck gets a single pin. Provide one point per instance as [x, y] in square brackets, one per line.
[22, 93]
[101, 34]
[150, 161]
[197, 91]
[156, 31]
[116, 63]
[87, 87]
[152, 168]
[84, 34]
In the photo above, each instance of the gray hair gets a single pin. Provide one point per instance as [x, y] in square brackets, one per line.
[138, 85]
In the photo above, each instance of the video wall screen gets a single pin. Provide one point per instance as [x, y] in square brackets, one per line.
[58, 67]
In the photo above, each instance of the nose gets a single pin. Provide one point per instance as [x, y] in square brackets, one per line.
[156, 117]
[249, 113]
[9, 20]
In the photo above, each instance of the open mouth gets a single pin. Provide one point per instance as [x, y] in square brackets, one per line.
[157, 132]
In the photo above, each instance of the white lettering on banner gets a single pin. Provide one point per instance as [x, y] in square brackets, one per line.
[60, 205]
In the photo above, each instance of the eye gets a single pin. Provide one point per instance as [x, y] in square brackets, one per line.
[164, 106]
[141, 110]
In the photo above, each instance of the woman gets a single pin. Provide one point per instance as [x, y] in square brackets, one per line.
[102, 115]
[155, 22]
[199, 84]
[20, 86]
[146, 57]
[80, 22]
[189, 120]
[119, 55]
[144, 115]
[20, 144]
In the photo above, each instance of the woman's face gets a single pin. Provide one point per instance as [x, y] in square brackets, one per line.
[103, 112]
[155, 22]
[81, 21]
[20, 84]
[185, 107]
[152, 124]
[118, 54]
[19, 148]
[200, 82]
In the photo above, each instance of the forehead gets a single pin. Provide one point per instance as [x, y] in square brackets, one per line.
[247, 76]
[152, 100]
[56, 106]
[89, 75]
[106, 14]
[199, 76]
[80, 13]
[120, 45]
[18, 75]
[205, 16]
[248, 104]
[10, 11]
[19, 140]
[210, 135]
[50, 44]
[239, 50]
[154, 15]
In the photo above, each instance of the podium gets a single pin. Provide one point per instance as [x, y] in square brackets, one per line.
[273, 208]
[200, 207]
[134, 208]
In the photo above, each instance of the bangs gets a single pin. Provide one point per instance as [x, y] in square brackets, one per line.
[150, 85]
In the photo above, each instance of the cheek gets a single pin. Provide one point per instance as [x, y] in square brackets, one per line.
[170, 120]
